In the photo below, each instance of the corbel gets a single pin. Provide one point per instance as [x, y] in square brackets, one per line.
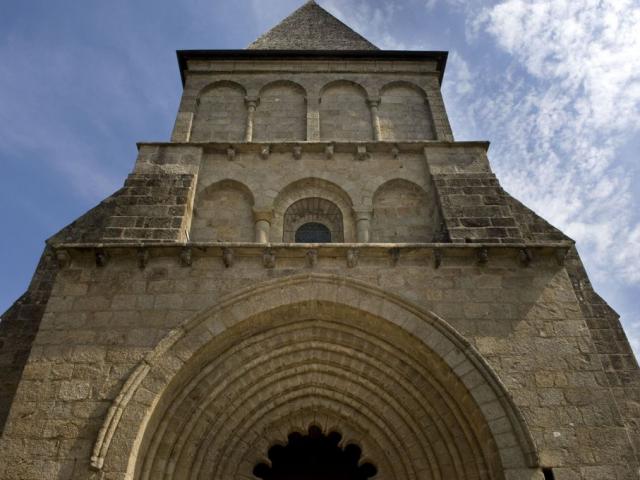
[231, 154]
[63, 258]
[395, 255]
[312, 257]
[525, 257]
[143, 257]
[437, 258]
[265, 151]
[361, 153]
[483, 256]
[297, 152]
[561, 256]
[329, 151]
[186, 256]
[395, 151]
[352, 257]
[102, 257]
[227, 257]
[269, 258]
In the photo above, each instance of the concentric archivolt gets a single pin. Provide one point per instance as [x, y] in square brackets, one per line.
[279, 372]
[243, 376]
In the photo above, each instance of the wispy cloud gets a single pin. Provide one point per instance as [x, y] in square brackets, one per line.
[560, 115]
[371, 21]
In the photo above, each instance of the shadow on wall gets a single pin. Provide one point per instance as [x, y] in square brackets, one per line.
[282, 113]
[223, 213]
[404, 212]
[346, 112]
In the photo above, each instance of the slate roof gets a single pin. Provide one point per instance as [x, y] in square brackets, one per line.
[311, 27]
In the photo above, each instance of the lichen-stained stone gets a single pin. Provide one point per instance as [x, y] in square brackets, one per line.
[447, 332]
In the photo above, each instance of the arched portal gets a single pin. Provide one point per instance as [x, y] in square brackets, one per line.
[232, 382]
[315, 456]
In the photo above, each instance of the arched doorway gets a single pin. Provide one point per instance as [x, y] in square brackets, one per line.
[236, 379]
[315, 456]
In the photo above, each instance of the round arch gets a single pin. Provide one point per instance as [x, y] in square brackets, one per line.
[313, 187]
[220, 113]
[222, 211]
[368, 349]
[282, 112]
[344, 113]
[405, 113]
[221, 83]
[403, 83]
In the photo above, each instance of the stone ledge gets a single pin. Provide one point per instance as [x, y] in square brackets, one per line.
[436, 253]
[311, 146]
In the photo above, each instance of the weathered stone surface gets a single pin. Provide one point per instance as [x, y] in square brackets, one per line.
[446, 329]
[311, 28]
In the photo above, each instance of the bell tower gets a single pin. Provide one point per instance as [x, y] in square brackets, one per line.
[312, 279]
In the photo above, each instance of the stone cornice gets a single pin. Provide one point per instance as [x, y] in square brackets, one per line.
[346, 147]
[440, 57]
[481, 254]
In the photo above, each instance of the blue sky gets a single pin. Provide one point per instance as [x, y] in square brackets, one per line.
[553, 84]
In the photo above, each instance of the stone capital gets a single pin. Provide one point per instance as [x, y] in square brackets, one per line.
[262, 215]
[252, 102]
[362, 214]
[373, 102]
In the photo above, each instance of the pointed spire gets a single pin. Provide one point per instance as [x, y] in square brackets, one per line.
[311, 27]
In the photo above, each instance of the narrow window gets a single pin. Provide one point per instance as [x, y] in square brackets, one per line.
[313, 233]
[548, 474]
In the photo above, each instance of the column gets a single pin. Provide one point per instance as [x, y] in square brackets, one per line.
[252, 104]
[363, 225]
[313, 119]
[262, 219]
[374, 103]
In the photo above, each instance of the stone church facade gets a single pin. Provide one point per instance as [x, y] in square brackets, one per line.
[312, 279]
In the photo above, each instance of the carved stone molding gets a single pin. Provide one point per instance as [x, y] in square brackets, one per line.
[231, 154]
[329, 151]
[525, 257]
[63, 258]
[186, 257]
[483, 256]
[312, 258]
[102, 258]
[269, 259]
[362, 154]
[352, 257]
[143, 257]
[227, 257]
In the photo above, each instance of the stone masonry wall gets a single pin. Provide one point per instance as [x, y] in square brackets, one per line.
[18, 328]
[101, 321]
[610, 342]
[339, 100]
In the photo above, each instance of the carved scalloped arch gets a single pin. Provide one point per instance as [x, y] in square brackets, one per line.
[121, 436]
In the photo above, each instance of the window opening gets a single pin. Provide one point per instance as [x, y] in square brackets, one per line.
[313, 232]
[548, 474]
[315, 456]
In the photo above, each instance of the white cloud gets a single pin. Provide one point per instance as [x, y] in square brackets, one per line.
[560, 115]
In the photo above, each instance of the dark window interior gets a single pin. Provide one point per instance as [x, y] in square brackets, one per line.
[548, 474]
[313, 233]
[315, 457]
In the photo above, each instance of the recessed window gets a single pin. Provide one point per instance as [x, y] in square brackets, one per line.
[548, 474]
[315, 456]
[313, 220]
[313, 233]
